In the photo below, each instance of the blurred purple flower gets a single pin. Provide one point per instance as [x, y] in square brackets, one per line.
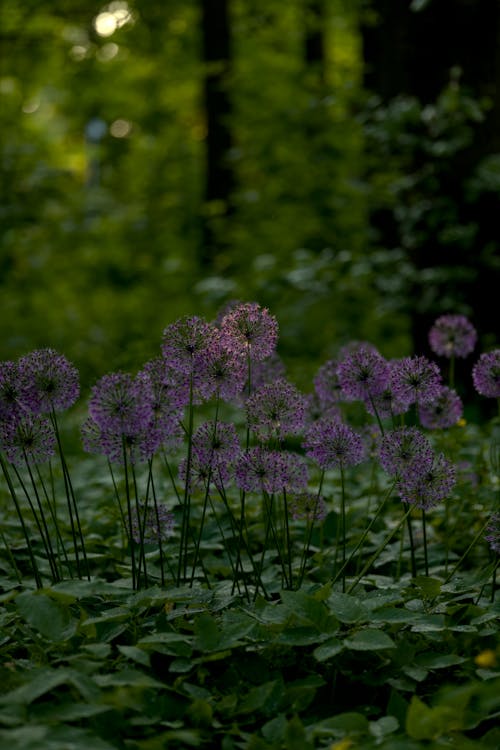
[363, 373]
[275, 410]
[486, 374]
[444, 410]
[27, 438]
[326, 384]
[251, 330]
[260, 470]
[12, 401]
[415, 380]
[139, 445]
[48, 381]
[452, 336]
[333, 444]
[157, 523]
[493, 535]
[307, 506]
[405, 452]
[426, 488]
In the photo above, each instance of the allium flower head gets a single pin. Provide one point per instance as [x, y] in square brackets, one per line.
[363, 373]
[28, 438]
[120, 403]
[260, 470]
[157, 524]
[493, 535]
[203, 473]
[415, 380]
[486, 374]
[220, 370]
[49, 381]
[11, 391]
[405, 452]
[326, 384]
[251, 330]
[267, 371]
[333, 444]
[426, 488]
[452, 336]
[388, 403]
[307, 506]
[443, 411]
[138, 445]
[275, 410]
[216, 444]
[169, 395]
[184, 340]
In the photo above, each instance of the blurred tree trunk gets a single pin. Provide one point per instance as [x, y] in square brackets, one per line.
[410, 46]
[219, 173]
[314, 42]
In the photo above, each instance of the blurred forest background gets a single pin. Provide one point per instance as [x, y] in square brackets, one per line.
[335, 160]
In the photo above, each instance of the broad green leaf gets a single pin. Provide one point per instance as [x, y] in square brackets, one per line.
[424, 723]
[128, 677]
[295, 735]
[369, 640]
[136, 654]
[50, 618]
[347, 608]
[208, 635]
[439, 661]
[263, 698]
[328, 650]
[45, 680]
[384, 726]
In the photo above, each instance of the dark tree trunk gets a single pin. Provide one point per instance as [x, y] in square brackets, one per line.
[219, 174]
[314, 42]
[408, 52]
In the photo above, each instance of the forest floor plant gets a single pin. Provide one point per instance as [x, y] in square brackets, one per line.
[256, 567]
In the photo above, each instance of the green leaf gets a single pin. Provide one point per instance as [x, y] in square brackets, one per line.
[136, 654]
[328, 650]
[295, 736]
[369, 640]
[429, 587]
[50, 618]
[384, 726]
[424, 723]
[439, 661]
[347, 608]
[208, 635]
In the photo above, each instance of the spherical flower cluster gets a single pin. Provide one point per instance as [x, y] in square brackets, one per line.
[170, 394]
[28, 438]
[308, 506]
[48, 380]
[266, 371]
[452, 336]
[185, 340]
[415, 380]
[426, 488]
[251, 329]
[216, 444]
[363, 373]
[260, 470]
[332, 444]
[493, 533]
[388, 403]
[156, 522]
[444, 410]
[405, 452]
[326, 384]
[200, 473]
[220, 370]
[275, 410]
[11, 394]
[486, 374]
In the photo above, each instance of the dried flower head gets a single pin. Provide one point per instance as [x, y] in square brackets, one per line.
[444, 410]
[486, 374]
[415, 380]
[251, 330]
[29, 438]
[333, 444]
[426, 488]
[452, 336]
[363, 373]
[405, 452]
[48, 380]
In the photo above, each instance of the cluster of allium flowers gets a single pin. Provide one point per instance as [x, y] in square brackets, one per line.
[426, 488]
[251, 329]
[444, 410]
[363, 373]
[333, 444]
[185, 340]
[169, 393]
[266, 371]
[156, 522]
[200, 473]
[415, 380]
[452, 336]
[405, 452]
[28, 437]
[493, 533]
[260, 470]
[275, 410]
[216, 445]
[48, 380]
[388, 403]
[308, 506]
[486, 374]
[11, 391]
[220, 371]
[326, 384]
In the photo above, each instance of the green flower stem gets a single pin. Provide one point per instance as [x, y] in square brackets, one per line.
[52, 509]
[379, 551]
[118, 500]
[424, 531]
[467, 551]
[11, 557]
[200, 532]
[377, 416]
[342, 530]
[269, 507]
[186, 505]
[36, 572]
[308, 534]
[412, 546]
[140, 526]
[129, 516]
[157, 516]
[287, 544]
[451, 373]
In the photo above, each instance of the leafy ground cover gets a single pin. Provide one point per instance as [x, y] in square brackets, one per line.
[338, 590]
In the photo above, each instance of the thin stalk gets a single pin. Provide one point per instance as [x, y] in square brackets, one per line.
[129, 515]
[378, 552]
[424, 531]
[11, 557]
[343, 533]
[377, 416]
[36, 573]
[52, 510]
[469, 548]
[200, 533]
[186, 506]
[451, 374]
[157, 516]
[412, 546]
[287, 539]
[141, 527]
[269, 506]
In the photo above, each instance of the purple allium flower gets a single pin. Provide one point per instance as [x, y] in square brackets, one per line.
[326, 384]
[315, 411]
[493, 535]
[49, 381]
[29, 438]
[169, 395]
[307, 506]
[333, 444]
[415, 380]
[121, 403]
[452, 336]
[486, 374]
[139, 445]
[203, 472]
[216, 444]
[251, 330]
[260, 470]
[267, 371]
[275, 410]
[363, 373]
[297, 474]
[444, 410]
[220, 371]
[11, 391]
[184, 340]
[157, 524]
[405, 452]
[427, 487]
